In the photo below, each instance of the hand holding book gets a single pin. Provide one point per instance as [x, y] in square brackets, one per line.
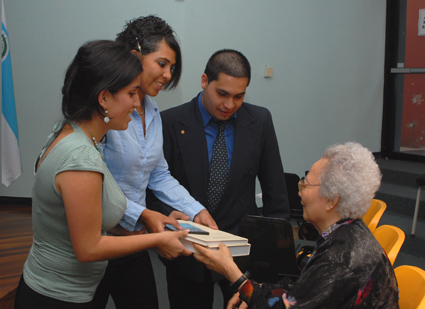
[220, 261]
[238, 246]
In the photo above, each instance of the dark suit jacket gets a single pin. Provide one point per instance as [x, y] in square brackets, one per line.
[255, 153]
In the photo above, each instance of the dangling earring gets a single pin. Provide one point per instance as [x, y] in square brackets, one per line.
[106, 119]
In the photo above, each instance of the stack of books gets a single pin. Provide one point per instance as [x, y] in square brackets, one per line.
[210, 239]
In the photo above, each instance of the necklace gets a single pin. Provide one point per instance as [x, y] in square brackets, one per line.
[96, 144]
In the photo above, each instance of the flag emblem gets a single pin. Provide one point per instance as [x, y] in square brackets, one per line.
[4, 45]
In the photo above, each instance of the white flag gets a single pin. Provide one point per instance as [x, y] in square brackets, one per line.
[11, 167]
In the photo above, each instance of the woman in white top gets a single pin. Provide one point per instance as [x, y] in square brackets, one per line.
[136, 161]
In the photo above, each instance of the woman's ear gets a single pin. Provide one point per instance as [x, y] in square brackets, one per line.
[331, 204]
[102, 98]
[137, 54]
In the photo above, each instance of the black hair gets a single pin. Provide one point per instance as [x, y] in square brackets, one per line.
[144, 33]
[98, 65]
[230, 62]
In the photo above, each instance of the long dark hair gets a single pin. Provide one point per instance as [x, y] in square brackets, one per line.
[144, 33]
[98, 65]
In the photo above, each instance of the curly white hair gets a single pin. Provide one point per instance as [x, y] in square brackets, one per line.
[351, 174]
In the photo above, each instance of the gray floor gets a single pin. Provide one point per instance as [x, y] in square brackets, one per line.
[412, 253]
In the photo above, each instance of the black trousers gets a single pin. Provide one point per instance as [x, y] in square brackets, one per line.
[131, 283]
[184, 293]
[27, 298]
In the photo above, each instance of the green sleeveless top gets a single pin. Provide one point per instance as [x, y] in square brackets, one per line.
[52, 269]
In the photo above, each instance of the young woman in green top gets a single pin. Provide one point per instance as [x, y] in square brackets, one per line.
[75, 199]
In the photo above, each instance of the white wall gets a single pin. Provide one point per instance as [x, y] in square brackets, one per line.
[327, 57]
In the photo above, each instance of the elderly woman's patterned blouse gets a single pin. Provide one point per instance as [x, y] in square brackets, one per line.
[347, 269]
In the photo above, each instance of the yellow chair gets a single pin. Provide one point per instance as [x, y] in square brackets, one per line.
[411, 282]
[391, 239]
[374, 214]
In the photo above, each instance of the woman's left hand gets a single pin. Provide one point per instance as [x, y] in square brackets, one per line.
[175, 214]
[155, 221]
[169, 245]
[220, 260]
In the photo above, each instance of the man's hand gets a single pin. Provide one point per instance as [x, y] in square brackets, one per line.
[155, 221]
[204, 218]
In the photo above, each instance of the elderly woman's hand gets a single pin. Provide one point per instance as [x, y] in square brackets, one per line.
[220, 260]
[236, 302]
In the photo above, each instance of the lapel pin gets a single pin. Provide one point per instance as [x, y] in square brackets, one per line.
[182, 132]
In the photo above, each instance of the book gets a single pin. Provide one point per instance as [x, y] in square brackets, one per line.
[235, 250]
[188, 226]
[237, 245]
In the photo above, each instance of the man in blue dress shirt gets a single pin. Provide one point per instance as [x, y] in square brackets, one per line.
[189, 132]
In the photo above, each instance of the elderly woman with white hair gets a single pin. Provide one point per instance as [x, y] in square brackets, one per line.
[348, 268]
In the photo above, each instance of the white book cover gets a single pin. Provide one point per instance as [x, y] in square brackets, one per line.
[235, 250]
[214, 237]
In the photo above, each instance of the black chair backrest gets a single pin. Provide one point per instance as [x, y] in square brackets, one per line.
[307, 231]
[272, 255]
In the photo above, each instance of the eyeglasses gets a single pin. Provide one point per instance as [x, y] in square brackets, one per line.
[302, 185]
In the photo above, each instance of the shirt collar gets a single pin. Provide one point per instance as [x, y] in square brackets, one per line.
[150, 106]
[206, 117]
[151, 110]
[336, 225]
